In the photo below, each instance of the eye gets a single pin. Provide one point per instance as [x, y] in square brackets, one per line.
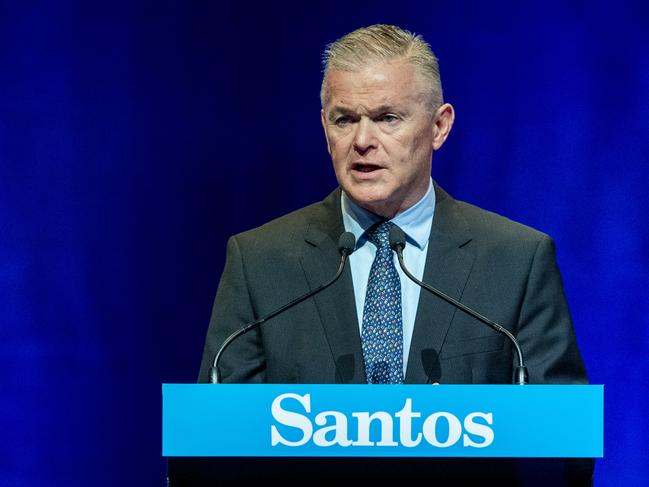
[342, 121]
[390, 118]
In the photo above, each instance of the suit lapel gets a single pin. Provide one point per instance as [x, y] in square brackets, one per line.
[448, 265]
[336, 305]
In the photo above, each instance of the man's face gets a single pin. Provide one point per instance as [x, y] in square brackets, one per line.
[381, 133]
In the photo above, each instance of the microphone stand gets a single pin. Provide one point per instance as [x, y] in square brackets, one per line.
[346, 245]
[397, 243]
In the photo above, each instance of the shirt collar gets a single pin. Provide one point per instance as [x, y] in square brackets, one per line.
[416, 221]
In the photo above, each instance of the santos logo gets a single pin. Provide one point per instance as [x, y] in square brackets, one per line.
[440, 429]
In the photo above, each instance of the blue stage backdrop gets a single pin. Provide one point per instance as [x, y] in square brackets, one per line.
[136, 137]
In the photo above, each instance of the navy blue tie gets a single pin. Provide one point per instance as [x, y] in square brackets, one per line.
[382, 330]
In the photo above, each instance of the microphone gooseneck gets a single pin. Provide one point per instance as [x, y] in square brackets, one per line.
[398, 243]
[346, 245]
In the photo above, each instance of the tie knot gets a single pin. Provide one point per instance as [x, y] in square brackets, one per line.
[380, 234]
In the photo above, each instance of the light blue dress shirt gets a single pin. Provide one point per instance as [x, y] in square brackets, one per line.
[416, 222]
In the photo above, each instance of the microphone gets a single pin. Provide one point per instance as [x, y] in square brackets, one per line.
[346, 245]
[398, 243]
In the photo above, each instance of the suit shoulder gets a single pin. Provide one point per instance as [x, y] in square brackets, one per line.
[284, 230]
[498, 228]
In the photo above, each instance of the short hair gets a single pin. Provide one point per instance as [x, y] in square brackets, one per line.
[382, 42]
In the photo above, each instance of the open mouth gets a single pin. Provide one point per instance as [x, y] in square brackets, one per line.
[365, 167]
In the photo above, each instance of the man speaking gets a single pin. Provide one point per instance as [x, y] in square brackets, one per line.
[384, 116]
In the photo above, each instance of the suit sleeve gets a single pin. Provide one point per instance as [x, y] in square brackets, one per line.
[545, 330]
[243, 361]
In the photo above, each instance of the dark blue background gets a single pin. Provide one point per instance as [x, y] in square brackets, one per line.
[136, 137]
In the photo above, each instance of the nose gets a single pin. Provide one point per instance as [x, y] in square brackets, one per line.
[364, 138]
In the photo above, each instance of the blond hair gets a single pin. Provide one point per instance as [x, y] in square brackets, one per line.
[380, 43]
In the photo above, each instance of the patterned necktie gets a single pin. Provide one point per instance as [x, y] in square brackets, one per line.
[382, 331]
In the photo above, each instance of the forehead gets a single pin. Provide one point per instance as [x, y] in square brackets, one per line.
[381, 83]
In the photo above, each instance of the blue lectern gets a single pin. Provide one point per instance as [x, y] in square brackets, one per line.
[455, 434]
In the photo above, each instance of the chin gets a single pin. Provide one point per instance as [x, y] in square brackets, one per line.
[367, 197]
[374, 203]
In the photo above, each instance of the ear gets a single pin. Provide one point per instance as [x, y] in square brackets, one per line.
[324, 126]
[442, 124]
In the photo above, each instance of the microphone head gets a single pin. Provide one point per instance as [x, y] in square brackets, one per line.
[346, 243]
[397, 239]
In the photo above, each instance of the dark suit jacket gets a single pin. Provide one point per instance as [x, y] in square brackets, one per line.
[502, 269]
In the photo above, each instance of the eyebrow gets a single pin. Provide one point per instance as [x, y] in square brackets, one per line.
[349, 111]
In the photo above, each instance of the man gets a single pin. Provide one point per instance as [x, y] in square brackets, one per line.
[384, 116]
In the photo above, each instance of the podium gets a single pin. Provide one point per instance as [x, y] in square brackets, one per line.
[459, 434]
